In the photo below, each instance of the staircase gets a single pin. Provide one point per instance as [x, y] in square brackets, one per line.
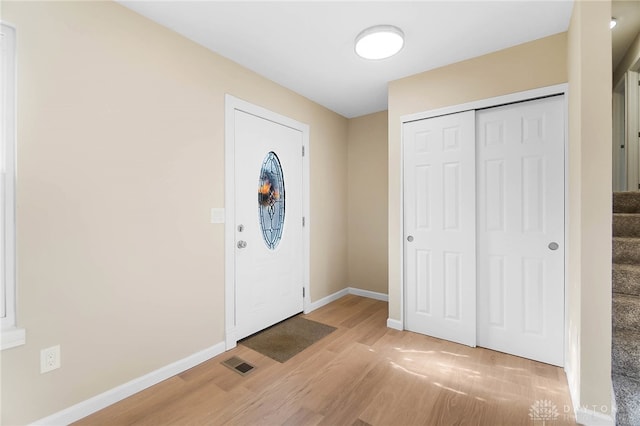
[625, 354]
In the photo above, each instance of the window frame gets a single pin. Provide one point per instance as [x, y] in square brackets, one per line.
[12, 335]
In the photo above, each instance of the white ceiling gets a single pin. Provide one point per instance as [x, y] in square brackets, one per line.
[308, 46]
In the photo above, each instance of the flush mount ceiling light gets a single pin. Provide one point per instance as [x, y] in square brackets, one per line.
[613, 23]
[379, 42]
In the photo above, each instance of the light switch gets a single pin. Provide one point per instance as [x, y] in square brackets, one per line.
[217, 215]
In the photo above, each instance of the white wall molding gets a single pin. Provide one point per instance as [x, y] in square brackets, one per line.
[105, 399]
[341, 293]
[326, 300]
[496, 101]
[395, 324]
[369, 294]
[12, 337]
[589, 417]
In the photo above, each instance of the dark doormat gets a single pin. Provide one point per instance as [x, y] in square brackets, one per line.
[287, 338]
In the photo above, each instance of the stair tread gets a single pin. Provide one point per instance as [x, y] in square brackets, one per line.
[627, 338]
[627, 394]
[626, 224]
[626, 250]
[626, 312]
[626, 278]
[625, 353]
[628, 334]
[628, 201]
[627, 266]
[627, 298]
[631, 239]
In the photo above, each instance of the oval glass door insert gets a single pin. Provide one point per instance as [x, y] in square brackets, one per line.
[271, 200]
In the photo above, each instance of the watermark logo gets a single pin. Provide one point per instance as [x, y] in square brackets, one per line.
[543, 411]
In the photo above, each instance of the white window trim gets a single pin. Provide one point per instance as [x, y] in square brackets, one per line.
[12, 335]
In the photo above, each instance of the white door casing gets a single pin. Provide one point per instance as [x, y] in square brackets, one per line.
[439, 227]
[619, 156]
[263, 285]
[632, 130]
[520, 287]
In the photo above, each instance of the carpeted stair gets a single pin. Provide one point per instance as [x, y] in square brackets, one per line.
[625, 354]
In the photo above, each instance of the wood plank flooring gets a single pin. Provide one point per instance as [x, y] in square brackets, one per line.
[361, 374]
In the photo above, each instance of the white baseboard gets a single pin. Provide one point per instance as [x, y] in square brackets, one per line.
[614, 404]
[588, 417]
[369, 294]
[391, 323]
[395, 324]
[98, 402]
[326, 300]
[338, 294]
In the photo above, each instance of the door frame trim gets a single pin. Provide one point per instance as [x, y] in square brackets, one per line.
[527, 95]
[231, 103]
[619, 140]
[632, 128]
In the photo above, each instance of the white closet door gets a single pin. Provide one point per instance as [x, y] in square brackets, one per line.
[521, 229]
[439, 209]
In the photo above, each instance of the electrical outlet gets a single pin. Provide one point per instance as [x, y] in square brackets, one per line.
[49, 359]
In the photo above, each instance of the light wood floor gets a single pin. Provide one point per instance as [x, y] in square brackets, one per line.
[362, 373]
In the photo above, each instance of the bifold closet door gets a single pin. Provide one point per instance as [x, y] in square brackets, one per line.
[439, 227]
[520, 229]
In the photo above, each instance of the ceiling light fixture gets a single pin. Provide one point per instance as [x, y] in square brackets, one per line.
[613, 23]
[379, 42]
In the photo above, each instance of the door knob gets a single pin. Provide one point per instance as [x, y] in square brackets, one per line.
[410, 238]
[553, 246]
[242, 244]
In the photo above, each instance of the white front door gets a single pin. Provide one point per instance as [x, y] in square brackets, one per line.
[520, 290]
[439, 227]
[268, 223]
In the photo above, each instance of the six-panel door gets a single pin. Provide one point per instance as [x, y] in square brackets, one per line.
[496, 175]
[439, 227]
[521, 229]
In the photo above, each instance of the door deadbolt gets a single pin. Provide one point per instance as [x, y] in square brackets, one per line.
[410, 238]
[240, 228]
[553, 246]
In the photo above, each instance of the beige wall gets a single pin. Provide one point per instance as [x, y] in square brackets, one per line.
[589, 255]
[120, 138]
[630, 61]
[531, 65]
[367, 216]
[120, 141]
